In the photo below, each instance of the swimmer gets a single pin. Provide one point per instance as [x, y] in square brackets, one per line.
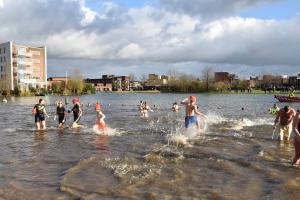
[145, 109]
[190, 110]
[61, 114]
[274, 110]
[100, 124]
[140, 106]
[77, 112]
[39, 112]
[285, 118]
[175, 107]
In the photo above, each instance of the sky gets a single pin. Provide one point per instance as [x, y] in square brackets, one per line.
[246, 37]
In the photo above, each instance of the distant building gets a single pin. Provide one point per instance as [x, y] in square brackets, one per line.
[121, 83]
[254, 82]
[22, 66]
[222, 77]
[59, 81]
[157, 80]
[227, 78]
[136, 85]
[111, 83]
[102, 84]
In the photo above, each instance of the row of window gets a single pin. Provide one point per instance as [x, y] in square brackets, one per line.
[2, 50]
[2, 59]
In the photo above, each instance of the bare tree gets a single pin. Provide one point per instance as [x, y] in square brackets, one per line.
[132, 77]
[207, 76]
[143, 78]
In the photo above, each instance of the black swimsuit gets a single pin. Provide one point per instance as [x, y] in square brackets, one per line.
[61, 114]
[76, 112]
[39, 115]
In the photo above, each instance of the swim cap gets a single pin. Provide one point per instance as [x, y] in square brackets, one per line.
[192, 98]
[97, 106]
[75, 100]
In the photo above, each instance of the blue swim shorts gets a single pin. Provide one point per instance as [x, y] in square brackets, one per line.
[189, 120]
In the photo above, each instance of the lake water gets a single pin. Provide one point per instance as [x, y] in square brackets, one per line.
[152, 158]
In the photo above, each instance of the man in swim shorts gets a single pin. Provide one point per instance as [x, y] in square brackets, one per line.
[285, 118]
[190, 110]
[39, 112]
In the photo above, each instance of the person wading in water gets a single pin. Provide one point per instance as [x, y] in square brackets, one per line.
[285, 118]
[40, 113]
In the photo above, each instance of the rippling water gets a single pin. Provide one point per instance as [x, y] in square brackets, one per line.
[150, 158]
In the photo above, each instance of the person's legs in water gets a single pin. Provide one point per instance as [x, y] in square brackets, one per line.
[296, 159]
[43, 125]
[37, 122]
[61, 121]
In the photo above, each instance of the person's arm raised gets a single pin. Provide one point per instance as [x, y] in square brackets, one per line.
[184, 101]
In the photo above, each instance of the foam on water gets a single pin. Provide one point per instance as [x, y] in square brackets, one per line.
[245, 122]
[108, 131]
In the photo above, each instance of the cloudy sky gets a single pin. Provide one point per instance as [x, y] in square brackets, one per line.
[247, 37]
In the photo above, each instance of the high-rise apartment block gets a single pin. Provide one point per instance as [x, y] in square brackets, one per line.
[22, 66]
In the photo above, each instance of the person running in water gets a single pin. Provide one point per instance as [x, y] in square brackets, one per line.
[100, 124]
[190, 110]
[61, 114]
[175, 107]
[77, 112]
[285, 118]
[296, 128]
[39, 112]
[145, 109]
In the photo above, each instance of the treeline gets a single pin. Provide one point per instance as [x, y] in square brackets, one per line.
[190, 84]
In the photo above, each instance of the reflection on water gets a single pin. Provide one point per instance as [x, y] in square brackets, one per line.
[153, 158]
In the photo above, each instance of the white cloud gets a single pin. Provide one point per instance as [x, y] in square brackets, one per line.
[208, 9]
[138, 36]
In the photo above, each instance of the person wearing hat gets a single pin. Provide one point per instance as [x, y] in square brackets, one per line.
[285, 118]
[190, 110]
[77, 112]
[100, 124]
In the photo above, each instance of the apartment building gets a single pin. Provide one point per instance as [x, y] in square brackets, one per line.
[157, 80]
[22, 66]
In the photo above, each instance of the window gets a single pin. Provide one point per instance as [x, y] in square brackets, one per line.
[0, 50]
[1, 68]
[35, 53]
[4, 60]
[4, 50]
[0, 59]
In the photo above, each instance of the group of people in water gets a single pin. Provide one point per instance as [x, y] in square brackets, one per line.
[287, 120]
[40, 114]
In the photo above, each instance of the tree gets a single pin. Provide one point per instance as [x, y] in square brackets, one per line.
[207, 76]
[143, 78]
[75, 83]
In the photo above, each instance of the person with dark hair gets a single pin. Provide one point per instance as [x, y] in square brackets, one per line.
[285, 118]
[77, 112]
[39, 112]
